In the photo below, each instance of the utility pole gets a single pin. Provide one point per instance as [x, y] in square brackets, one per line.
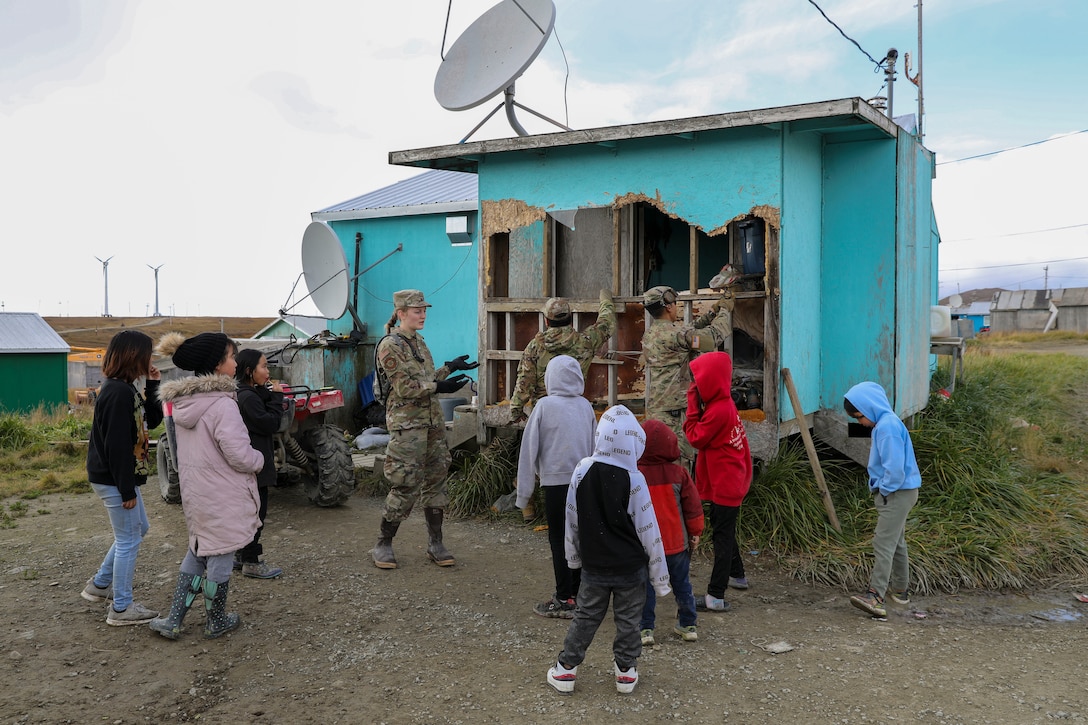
[1046, 278]
[106, 280]
[889, 74]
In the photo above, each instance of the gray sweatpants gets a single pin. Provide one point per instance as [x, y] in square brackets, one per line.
[889, 541]
[628, 595]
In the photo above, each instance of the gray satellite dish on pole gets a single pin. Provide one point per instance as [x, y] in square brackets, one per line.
[491, 55]
[325, 270]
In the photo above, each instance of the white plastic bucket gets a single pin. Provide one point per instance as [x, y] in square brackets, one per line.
[940, 321]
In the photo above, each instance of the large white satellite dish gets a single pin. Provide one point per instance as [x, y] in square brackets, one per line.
[491, 54]
[325, 269]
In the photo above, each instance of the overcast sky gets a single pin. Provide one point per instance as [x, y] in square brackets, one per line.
[199, 136]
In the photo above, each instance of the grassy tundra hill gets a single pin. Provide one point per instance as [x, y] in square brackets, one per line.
[95, 332]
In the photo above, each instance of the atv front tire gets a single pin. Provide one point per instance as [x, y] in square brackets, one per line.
[332, 460]
[169, 485]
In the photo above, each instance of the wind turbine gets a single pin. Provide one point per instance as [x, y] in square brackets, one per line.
[156, 271]
[106, 280]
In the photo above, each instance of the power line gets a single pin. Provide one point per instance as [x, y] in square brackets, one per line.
[1014, 148]
[879, 64]
[1014, 234]
[1017, 264]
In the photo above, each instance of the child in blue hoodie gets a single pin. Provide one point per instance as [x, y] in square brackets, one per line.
[894, 481]
[558, 435]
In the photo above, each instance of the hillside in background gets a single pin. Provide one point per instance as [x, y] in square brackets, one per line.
[96, 332]
[975, 295]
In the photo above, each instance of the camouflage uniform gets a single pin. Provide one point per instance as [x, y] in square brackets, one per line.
[559, 340]
[667, 348]
[416, 459]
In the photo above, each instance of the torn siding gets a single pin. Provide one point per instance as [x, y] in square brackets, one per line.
[507, 214]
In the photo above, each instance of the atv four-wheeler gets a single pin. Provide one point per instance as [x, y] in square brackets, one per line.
[305, 449]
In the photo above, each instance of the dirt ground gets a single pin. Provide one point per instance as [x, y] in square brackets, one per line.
[336, 640]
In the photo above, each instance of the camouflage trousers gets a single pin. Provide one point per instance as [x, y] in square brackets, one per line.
[675, 420]
[417, 462]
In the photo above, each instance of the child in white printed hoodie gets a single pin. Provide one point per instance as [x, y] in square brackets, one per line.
[557, 436]
[612, 535]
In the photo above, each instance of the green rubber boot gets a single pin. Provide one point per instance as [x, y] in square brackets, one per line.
[219, 621]
[185, 593]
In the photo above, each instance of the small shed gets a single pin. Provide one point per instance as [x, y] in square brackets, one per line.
[33, 363]
[826, 208]
[284, 328]
[1020, 311]
[1072, 307]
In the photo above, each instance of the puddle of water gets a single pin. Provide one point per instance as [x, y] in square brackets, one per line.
[1057, 615]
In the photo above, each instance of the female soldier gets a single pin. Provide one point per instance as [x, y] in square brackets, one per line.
[416, 459]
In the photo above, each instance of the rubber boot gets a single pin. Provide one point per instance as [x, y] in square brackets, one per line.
[185, 593]
[436, 550]
[219, 620]
[383, 550]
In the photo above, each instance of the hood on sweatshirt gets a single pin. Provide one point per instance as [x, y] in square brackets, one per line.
[870, 400]
[713, 374]
[662, 445]
[619, 440]
[563, 376]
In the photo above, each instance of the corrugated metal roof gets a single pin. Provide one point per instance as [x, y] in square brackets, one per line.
[1027, 299]
[432, 192]
[975, 308]
[1072, 297]
[1034, 299]
[28, 332]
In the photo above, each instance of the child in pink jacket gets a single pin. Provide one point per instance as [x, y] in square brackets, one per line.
[217, 467]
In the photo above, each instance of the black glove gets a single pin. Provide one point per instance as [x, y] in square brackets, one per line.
[461, 363]
[451, 385]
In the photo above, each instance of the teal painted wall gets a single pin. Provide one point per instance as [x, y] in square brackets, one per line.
[32, 379]
[859, 268]
[915, 273]
[706, 181]
[446, 274]
[801, 268]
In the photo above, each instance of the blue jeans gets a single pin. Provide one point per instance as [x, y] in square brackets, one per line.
[129, 528]
[680, 580]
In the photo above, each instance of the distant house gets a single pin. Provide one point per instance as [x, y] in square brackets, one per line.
[33, 363]
[432, 218]
[975, 314]
[301, 328]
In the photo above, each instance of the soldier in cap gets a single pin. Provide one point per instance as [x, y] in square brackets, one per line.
[668, 346]
[560, 338]
[416, 459]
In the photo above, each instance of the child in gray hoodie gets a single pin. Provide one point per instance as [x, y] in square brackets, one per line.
[558, 434]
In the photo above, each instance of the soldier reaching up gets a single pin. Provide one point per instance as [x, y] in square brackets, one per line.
[668, 347]
[560, 338]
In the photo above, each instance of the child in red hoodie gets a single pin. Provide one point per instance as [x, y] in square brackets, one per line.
[723, 468]
[680, 517]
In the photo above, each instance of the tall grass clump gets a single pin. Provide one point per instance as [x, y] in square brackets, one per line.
[43, 452]
[477, 480]
[1004, 499]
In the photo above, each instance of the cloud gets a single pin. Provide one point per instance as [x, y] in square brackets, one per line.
[292, 97]
[50, 44]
